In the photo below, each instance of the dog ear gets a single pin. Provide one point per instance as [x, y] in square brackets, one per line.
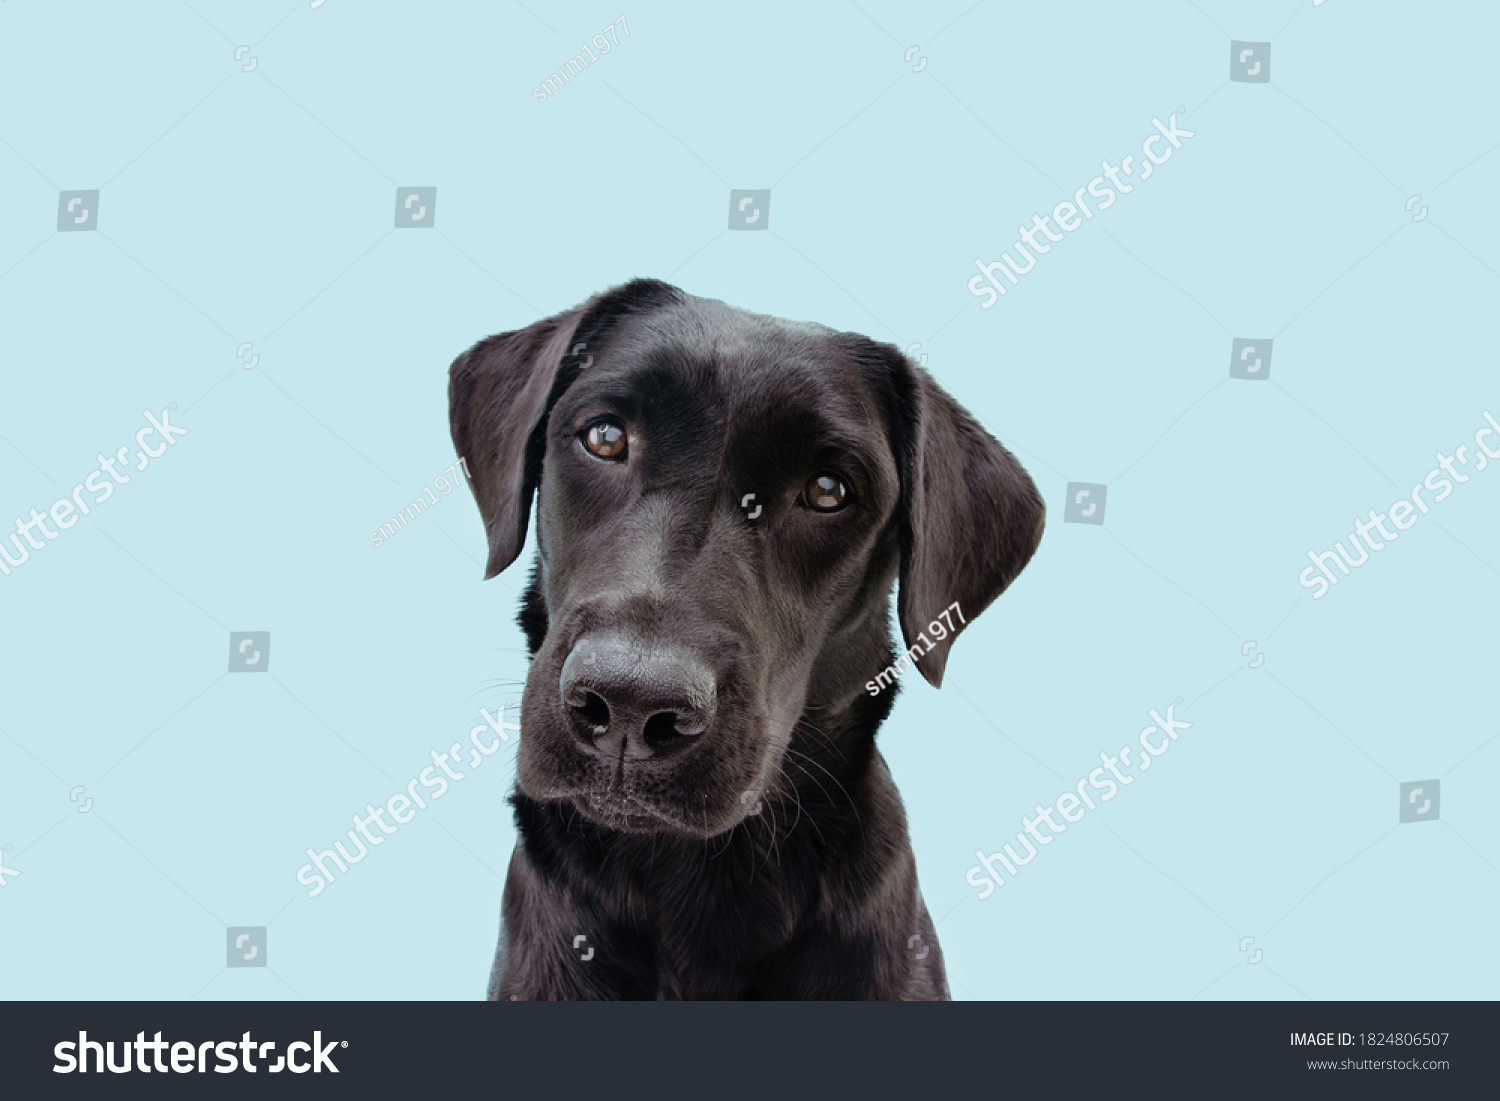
[972, 518]
[501, 391]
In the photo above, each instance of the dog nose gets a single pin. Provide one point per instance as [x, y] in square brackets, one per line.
[626, 696]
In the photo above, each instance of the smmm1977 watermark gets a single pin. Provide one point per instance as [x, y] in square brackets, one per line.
[445, 486]
[890, 673]
[578, 62]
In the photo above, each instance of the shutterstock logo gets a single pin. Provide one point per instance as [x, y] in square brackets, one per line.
[1072, 805]
[67, 511]
[416, 207]
[485, 739]
[191, 1056]
[750, 209]
[1039, 235]
[1402, 513]
[247, 946]
[1419, 800]
[1250, 359]
[1250, 62]
[1085, 503]
[77, 211]
[249, 651]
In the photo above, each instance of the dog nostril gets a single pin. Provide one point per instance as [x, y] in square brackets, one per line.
[593, 710]
[667, 728]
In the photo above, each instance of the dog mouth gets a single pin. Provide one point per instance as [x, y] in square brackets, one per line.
[629, 815]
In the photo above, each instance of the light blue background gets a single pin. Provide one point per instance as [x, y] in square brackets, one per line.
[258, 207]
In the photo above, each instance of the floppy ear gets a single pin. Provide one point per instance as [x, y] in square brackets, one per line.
[501, 391]
[971, 521]
[499, 394]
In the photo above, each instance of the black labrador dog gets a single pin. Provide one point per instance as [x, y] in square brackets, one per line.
[725, 501]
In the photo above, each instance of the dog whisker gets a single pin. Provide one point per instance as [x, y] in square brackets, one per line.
[832, 745]
[797, 798]
[847, 798]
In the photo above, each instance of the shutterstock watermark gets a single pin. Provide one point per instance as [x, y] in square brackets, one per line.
[1403, 513]
[1076, 801]
[1157, 149]
[191, 1056]
[66, 511]
[403, 806]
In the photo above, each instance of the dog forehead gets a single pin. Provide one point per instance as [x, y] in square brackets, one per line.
[766, 371]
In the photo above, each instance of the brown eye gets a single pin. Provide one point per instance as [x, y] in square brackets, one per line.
[825, 493]
[606, 440]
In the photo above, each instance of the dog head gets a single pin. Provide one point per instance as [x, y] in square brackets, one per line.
[724, 501]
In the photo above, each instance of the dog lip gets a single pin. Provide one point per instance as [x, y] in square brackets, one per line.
[616, 807]
[626, 811]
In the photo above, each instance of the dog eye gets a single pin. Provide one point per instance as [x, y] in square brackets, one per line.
[606, 440]
[825, 493]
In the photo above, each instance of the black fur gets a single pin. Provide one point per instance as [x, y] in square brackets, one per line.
[751, 843]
